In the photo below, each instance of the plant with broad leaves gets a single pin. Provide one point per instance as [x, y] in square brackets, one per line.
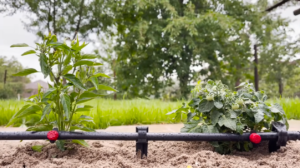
[56, 107]
[216, 109]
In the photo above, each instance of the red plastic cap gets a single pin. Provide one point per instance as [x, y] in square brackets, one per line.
[255, 138]
[52, 135]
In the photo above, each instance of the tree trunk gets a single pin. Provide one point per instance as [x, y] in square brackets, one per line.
[115, 94]
[79, 20]
[5, 75]
[237, 83]
[255, 68]
[183, 71]
[280, 84]
[54, 17]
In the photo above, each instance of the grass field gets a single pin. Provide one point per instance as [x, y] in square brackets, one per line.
[128, 112]
[109, 112]
[290, 106]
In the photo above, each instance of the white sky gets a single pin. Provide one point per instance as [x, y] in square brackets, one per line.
[12, 31]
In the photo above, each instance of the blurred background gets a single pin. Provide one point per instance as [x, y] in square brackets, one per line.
[159, 49]
[156, 51]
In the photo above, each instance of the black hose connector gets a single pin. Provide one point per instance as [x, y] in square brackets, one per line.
[142, 142]
[282, 136]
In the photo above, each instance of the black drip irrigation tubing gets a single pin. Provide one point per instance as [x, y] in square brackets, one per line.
[278, 137]
[149, 136]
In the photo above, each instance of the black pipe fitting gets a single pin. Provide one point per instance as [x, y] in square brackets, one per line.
[142, 142]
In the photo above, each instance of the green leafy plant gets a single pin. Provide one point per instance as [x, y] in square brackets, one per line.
[69, 71]
[216, 109]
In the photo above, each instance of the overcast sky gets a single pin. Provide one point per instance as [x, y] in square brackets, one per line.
[12, 31]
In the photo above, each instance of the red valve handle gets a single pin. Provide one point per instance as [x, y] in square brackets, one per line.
[52, 135]
[255, 138]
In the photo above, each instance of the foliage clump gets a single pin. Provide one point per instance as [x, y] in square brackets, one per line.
[217, 109]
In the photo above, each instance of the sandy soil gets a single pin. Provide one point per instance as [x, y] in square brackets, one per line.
[111, 154]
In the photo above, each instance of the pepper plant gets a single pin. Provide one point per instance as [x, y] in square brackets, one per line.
[69, 71]
[217, 109]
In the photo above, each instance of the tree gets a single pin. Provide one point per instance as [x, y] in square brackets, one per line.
[278, 62]
[160, 39]
[13, 85]
[65, 18]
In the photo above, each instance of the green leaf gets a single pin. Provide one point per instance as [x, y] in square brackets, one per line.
[209, 129]
[32, 121]
[19, 45]
[46, 111]
[194, 103]
[228, 122]
[240, 128]
[40, 128]
[86, 121]
[259, 115]
[83, 128]
[28, 52]
[218, 105]
[30, 110]
[75, 81]
[16, 114]
[82, 109]
[178, 112]
[66, 103]
[247, 95]
[84, 62]
[276, 108]
[85, 117]
[232, 114]
[80, 142]
[88, 56]
[190, 116]
[66, 69]
[37, 148]
[101, 74]
[26, 72]
[33, 96]
[59, 46]
[49, 92]
[83, 100]
[246, 146]
[191, 127]
[67, 59]
[215, 144]
[88, 106]
[215, 115]
[97, 64]
[60, 144]
[108, 88]
[87, 96]
[95, 82]
[241, 85]
[258, 95]
[206, 106]
[44, 65]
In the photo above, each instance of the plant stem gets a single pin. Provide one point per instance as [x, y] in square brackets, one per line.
[73, 111]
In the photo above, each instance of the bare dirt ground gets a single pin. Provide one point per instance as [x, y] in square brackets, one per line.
[111, 154]
[121, 154]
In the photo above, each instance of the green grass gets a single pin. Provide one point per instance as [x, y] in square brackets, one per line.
[290, 106]
[129, 112]
[109, 112]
